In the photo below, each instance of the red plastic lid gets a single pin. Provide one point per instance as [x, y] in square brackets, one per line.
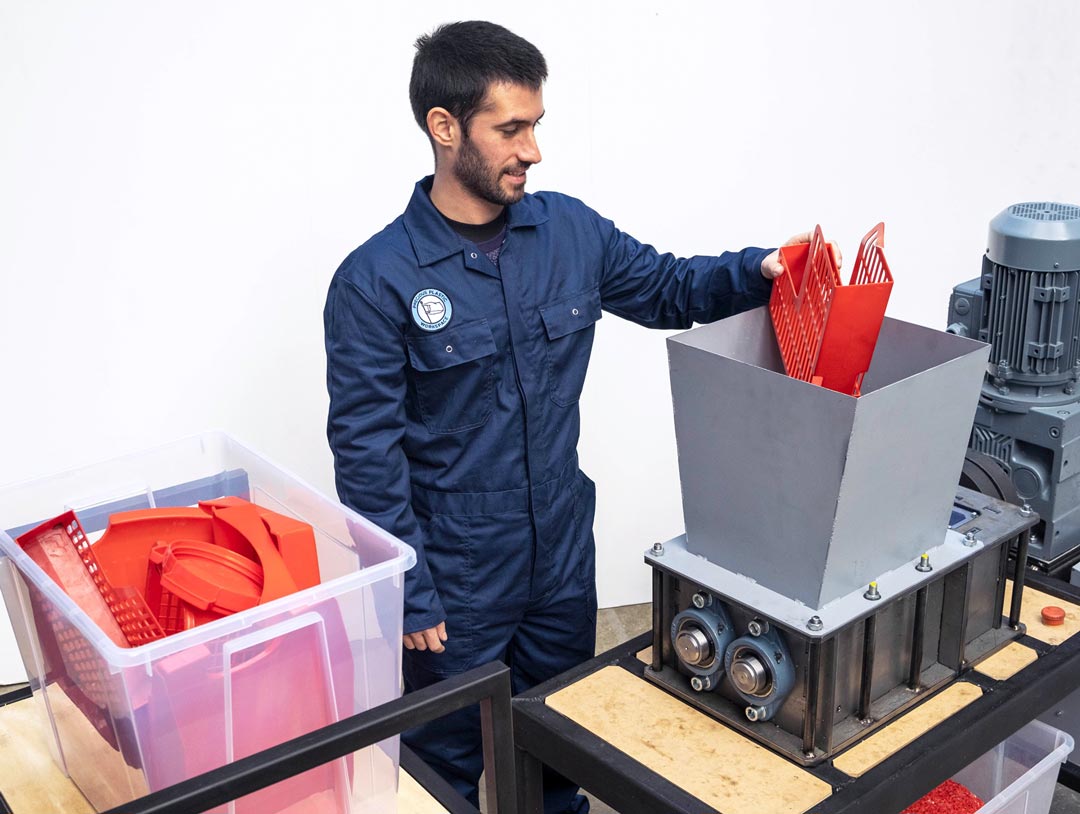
[209, 577]
[1053, 615]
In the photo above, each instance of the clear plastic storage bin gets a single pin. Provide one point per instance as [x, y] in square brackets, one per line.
[1018, 775]
[126, 721]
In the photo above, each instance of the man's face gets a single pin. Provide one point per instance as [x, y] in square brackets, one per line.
[500, 144]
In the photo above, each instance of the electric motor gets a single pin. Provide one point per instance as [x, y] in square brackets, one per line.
[1026, 305]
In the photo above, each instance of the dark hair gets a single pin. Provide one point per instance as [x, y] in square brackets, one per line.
[455, 64]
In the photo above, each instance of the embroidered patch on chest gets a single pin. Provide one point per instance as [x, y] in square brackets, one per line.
[431, 309]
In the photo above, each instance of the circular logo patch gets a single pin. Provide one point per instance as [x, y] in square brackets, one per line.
[431, 309]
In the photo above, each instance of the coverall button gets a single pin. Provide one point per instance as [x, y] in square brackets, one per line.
[574, 312]
[472, 255]
[449, 348]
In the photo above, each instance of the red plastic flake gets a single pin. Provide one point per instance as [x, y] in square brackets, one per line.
[948, 798]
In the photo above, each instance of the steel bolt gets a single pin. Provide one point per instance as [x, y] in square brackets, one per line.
[924, 564]
[814, 623]
[701, 600]
[756, 713]
[1026, 511]
[758, 627]
[969, 539]
[701, 683]
[658, 549]
[872, 592]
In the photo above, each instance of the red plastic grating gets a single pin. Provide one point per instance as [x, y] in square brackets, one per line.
[60, 546]
[138, 622]
[127, 605]
[827, 331]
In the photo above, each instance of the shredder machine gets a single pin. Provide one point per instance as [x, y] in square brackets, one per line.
[832, 574]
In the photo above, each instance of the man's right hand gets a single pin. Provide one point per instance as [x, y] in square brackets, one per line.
[771, 267]
[431, 639]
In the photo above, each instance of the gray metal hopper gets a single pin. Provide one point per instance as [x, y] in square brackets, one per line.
[810, 492]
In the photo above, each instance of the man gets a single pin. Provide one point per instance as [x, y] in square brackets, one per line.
[457, 342]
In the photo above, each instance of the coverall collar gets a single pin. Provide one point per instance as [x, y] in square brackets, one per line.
[433, 239]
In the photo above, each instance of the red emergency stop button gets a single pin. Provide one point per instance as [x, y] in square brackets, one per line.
[1053, 615]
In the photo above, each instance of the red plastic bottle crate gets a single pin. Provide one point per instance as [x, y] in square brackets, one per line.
[827, 331]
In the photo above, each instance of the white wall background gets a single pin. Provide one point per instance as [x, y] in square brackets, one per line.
[178, 182]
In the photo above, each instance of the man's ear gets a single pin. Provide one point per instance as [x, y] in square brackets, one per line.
[443, 127]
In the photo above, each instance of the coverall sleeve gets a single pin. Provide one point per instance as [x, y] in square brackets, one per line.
[663, 291]
[365, 375]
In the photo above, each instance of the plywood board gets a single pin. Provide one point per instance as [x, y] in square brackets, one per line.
[645, 655]
[1031, 615]
[702, 756]
[29, 779]
[1007, 662]
[110, 778]
[413, 799]
[911, 725]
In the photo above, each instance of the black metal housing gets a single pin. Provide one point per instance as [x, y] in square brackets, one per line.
[855, 678]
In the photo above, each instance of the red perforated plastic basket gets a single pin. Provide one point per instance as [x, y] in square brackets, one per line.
[827, 331]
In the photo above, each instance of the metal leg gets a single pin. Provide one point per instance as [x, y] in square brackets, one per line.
[530, 774]
[497, 725]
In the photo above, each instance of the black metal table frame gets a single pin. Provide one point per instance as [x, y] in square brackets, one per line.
[488, 686]
[543, 737]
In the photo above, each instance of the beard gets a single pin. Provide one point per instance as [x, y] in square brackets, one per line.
[482, 179]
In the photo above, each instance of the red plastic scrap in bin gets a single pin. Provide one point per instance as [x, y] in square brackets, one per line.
[191, 582]
[124, 549]
[241, 523]
[827, 331]
[156, 572]
[294, 540]
[59, 546]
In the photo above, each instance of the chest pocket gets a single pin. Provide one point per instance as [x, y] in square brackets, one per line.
[454, 375]
[569, 325]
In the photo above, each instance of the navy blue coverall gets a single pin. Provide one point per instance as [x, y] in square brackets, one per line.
[454, 422]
